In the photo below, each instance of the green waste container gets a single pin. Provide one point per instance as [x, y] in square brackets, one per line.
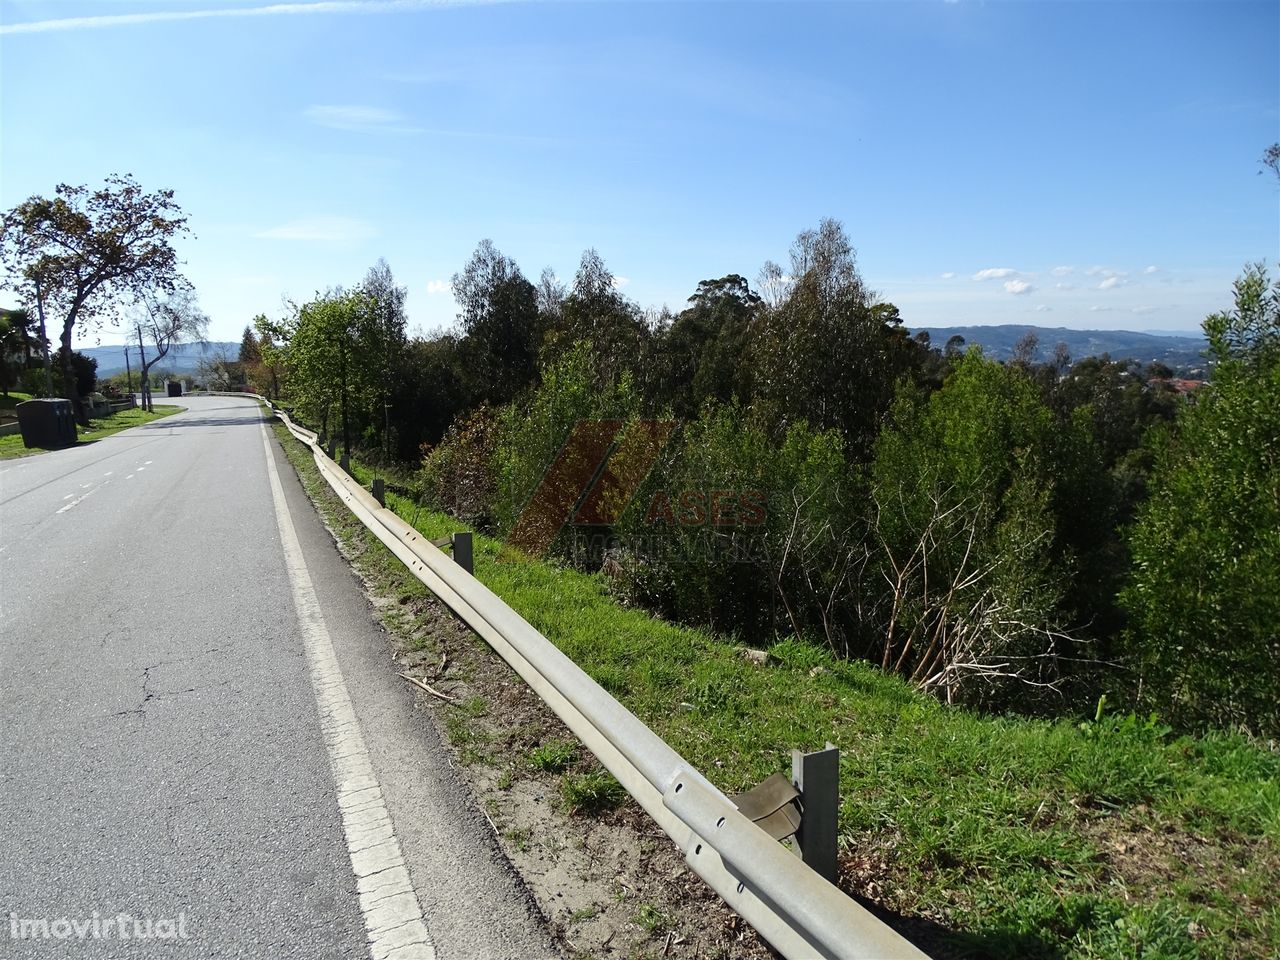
[47, 423]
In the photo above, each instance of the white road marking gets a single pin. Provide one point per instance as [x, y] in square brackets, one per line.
[392, 915]
[129, 477]
[68, 496]
[77, 500]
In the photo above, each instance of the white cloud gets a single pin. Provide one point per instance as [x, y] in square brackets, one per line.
[1043, 308]
[1106, 272]
[1017, 287]
[620, 282]
[269, 10]
[1144, 309]
[1097, 309]
[1112, 282]
[438, 286]
[359, 118]
[1062, 271]
[1065, 286]
[1151, 269]
[949, 275]
[995, 273]
[331, 229]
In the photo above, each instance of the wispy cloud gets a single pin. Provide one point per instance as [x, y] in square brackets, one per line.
[1043, 308]
[1062, 271]
[620, 282]
[325, 229]
[1151, 269]
[1112, 282]
[995, 273]
[269, 10]
[949, 275]
[1018, 287]
[438, 286]
[360, 119]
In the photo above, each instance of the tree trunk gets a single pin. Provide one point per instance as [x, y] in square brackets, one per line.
[69, 380]
[44, 342]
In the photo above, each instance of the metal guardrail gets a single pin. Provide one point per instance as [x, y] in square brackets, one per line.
[797, 911]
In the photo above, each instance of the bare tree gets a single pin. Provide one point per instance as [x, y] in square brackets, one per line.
[165, 320]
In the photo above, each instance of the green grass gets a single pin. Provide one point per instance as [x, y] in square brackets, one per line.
[554, 756]
[11, 446]
[1100, 837]
[12, 399]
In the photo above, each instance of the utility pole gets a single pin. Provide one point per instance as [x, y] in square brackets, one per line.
[128, 372]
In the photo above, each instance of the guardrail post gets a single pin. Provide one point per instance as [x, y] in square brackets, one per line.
[461, 543]
[331, 448]
[346, 463]
[380, 491]
[817, 777]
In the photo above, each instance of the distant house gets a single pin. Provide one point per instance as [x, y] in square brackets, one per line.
[1177, 384]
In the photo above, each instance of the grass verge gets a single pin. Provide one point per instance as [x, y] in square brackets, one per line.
[985, 836]
[11, 446]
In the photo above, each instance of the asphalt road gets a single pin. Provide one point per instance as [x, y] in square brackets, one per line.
[162, 754]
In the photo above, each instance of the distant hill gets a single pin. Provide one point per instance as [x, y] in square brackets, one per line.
[1183, 353]
[182, 358]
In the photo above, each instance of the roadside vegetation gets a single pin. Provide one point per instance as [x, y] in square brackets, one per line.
[787, 462]
[986, 835]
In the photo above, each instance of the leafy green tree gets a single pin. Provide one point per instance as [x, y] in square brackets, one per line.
[596, 312]
[501, 325]
[703, 353]
[74, 254]
[17, 342]
[1205, 596]
[430, 391]
[343, 352]
[272, 355]
[827, 353]
[250, 352]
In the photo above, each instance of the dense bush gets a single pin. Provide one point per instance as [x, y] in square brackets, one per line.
[744, 533]
[575, 393]
[457, 474]
[1205, 596]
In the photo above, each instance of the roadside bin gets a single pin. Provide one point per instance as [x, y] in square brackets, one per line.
[47, 423]
[175, 388]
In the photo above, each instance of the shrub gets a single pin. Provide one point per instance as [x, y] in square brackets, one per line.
[457, 475]
[1205, 597]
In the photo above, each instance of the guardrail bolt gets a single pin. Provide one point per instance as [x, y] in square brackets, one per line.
[380, 491]
[817, 777]
[461, 543]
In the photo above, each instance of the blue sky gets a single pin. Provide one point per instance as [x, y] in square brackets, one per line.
[1073, 164]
